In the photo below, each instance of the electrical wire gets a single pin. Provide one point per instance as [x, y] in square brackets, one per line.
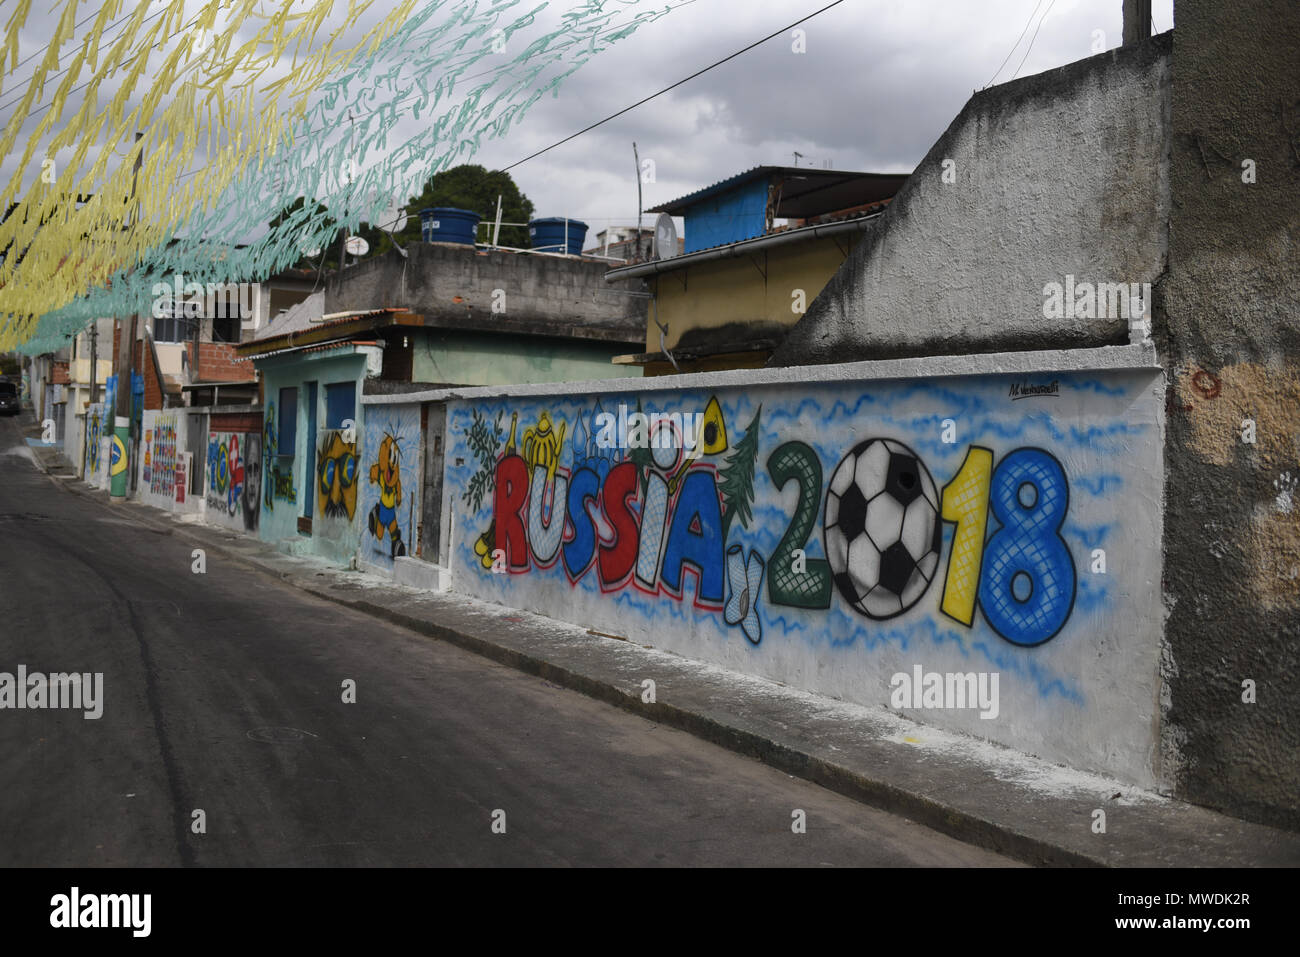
[1014, 45]
[668, 88]
[473, 76]
[54, 76]
[1033, 38]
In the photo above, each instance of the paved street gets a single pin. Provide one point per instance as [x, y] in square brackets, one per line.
[222, 692]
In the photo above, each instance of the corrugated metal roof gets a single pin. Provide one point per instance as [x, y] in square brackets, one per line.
[825, 190]
[337, 344]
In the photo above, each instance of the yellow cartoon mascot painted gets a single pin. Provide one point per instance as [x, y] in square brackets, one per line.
[387, 474]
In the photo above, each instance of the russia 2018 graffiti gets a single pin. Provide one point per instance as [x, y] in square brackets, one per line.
[336, 477]
[234, 473]
[900, 517]
[391, 486]
[279, 482]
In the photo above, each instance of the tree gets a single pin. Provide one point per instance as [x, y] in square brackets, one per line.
[330, 252]
[464, 187]
[474, 188]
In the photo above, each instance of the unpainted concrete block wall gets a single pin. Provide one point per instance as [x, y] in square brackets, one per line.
[1055, 175]
[1228, 322]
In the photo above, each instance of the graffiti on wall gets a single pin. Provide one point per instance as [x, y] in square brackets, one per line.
[336, 477]
[391, 486]
[160, 456]
[234, 477]
[279, 473]
[96, 429]
[764, 516]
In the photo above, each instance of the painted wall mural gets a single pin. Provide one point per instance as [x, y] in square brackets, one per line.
[390, 484]
[336, 477]
[160, 456]
[162, 446]
[844, 532]
[96, 430]
[233, 478]
[279, 471]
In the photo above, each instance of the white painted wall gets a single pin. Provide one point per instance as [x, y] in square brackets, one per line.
[1085, 696]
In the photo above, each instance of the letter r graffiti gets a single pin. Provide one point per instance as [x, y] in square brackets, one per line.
[509, 500]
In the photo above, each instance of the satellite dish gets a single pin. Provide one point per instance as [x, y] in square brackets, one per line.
[356, 246]
[665, 245]
[392, 219]
[311, 252]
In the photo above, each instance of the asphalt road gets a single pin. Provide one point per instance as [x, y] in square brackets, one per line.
[222, 692]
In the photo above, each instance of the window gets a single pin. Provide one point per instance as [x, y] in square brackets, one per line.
[225, 328]
[287, 439]
[170, 329]
[340, 404]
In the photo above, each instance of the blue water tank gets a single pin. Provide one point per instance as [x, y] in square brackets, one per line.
[446, 224]
[547, 235]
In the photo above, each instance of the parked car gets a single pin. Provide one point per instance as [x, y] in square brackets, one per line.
[9, 404]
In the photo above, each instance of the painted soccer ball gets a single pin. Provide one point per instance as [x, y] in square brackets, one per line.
[882, 531]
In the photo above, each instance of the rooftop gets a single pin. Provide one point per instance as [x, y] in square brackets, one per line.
[804, 192]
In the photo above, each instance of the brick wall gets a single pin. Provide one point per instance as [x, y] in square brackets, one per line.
[153, 397]
[235, 422]
[217, 363]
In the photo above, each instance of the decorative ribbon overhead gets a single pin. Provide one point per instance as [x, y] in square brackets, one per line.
[329, 142]
[214, 92]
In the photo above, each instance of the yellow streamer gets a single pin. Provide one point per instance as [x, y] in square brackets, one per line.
[47, 224]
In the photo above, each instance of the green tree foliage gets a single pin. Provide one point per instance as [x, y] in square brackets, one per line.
[474, 188]
[330, 253]
[464, 187]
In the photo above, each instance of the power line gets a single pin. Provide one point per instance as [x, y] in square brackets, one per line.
[473, 76]
[1014, 45]
[76, 26]
[54, 76]
[1033, 38]
[666, 89]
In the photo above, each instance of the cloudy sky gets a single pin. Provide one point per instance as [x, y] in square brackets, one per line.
[879, 82]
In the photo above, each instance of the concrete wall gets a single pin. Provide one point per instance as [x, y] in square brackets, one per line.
[753, 291]
[336, 530]
[163, 440]
[453, 286]
[1230, 334]
[696, 553]
[99, 426]
[471, 358]
[1055, 175]
[390, 483]
[233, 479]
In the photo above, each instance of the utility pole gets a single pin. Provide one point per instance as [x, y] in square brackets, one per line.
[1137, 21]
[94, 361]
[637, 159]
[119, 458]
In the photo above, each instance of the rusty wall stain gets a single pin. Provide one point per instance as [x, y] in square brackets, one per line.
[1214, 404]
